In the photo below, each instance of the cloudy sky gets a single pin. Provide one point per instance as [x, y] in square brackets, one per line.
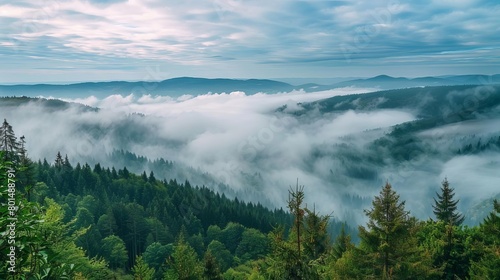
[91, 40]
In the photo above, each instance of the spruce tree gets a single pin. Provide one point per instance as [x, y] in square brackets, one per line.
[388, 231]
[316, 237]
[445, 207]
[66, 163]
[59, 160]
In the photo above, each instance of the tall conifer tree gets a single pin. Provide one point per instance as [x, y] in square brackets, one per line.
[8, 141]
[445, 207]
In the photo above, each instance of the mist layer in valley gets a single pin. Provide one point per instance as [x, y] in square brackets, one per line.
[340, 144]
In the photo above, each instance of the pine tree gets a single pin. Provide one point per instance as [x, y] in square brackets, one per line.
[445, 208]
[8, 141]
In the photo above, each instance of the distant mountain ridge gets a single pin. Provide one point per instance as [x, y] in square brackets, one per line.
[388, 82]
[177, 87]
[172, 87]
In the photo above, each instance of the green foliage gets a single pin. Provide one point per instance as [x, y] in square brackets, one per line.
[42, 248]
[348, 266]
[107, 224]
[196, 241]
[491, 224]
[244, 272]
[91, 240]
[488, 267]
[214, 232]
[63, 247]
[45, 251]
[84, 218]
[452, 248]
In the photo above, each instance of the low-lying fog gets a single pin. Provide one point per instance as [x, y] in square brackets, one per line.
[234, 136]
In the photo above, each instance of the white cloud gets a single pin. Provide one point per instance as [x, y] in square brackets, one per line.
[234, 135]
[227, 134]
[13, 11]
[473, 176]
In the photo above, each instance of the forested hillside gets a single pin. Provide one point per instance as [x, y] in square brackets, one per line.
[80, 222]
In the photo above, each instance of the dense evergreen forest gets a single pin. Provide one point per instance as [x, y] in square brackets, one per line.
[60, 221]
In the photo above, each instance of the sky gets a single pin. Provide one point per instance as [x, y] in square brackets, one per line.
[92, 40]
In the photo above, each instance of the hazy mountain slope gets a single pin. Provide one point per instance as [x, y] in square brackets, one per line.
[48, 104]
[455, 135]
[426, 102]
